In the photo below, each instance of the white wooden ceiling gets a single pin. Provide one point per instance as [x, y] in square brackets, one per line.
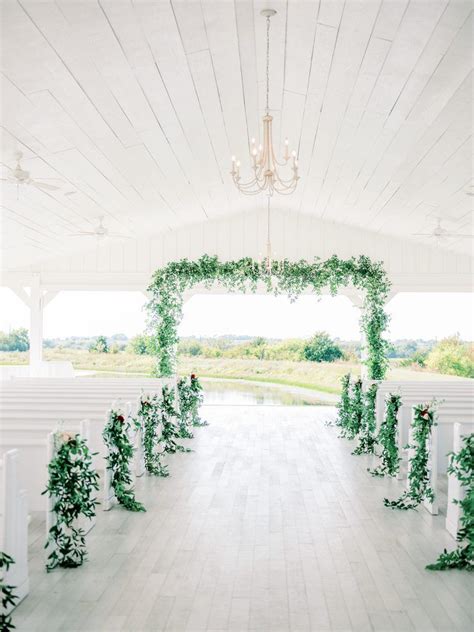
[138, 105]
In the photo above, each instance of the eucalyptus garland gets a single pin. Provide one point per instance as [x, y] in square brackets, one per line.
[71, 485]
[367, 439]
[419, 476]
[387, 438]
[344, 404]
[286, 277]
[148, 415]
[356, 411]
[461, 465]
[120, 452]
[186, 403]
[7, 594]
[170, 432]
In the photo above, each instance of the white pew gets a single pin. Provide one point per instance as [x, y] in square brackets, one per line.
[14, 524]
[455, 490]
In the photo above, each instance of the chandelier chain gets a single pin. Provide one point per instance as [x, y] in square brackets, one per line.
[267, 108]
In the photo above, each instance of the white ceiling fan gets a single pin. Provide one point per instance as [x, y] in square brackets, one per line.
[21, 177]
[100, 232]
[439, 232]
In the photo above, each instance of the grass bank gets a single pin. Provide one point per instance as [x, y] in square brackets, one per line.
[323, 377]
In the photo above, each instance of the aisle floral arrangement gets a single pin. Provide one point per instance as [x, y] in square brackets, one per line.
[419, 475]
[387, 438]
[72, 483]
[116, 437]
[149, 419]
[367, 439]
[7, 593]
[461, 465]
[170, 430]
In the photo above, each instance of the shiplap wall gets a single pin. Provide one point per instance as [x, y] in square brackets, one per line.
[294, 236]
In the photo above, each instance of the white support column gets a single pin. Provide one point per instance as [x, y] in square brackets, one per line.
[36, 323]
[358, 302]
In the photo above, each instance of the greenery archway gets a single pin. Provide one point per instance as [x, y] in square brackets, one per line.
[286, 277]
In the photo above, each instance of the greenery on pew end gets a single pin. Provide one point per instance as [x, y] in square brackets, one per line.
[419, 475]
[170, 430]
[71, 484]
[461, 465]
[149, 419]
[7, 594]
[120, 453]
[367, 439]
[387, 438]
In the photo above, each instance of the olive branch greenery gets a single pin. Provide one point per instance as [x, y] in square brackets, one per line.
[419, 476]
[461, 465]
[367, 439]
[387, 438]
[287, 277]
[120, 452]
[148, 417]
[71, 484]
[7, 593]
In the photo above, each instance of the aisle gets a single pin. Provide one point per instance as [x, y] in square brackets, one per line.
[269, 524]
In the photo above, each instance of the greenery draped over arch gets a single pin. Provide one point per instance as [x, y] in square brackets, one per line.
[287, 277]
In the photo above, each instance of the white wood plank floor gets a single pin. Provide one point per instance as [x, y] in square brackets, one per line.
[270, 524]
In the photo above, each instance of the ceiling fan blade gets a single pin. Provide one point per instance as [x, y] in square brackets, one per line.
[43, 186]
[423, 234]
[83, 234]
[119, 236]
[459, 235]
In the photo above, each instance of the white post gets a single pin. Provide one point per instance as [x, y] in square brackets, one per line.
[36, 324]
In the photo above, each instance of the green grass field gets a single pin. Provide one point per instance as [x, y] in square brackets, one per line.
[318, 376]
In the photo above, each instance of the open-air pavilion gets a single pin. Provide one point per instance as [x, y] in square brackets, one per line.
[129, 131]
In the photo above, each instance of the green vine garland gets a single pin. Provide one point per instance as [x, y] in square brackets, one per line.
[287, 277]
[461, 465]
[72, 481]
[170, 432]
[367, 439]
[356, 411]
[120, 452]
[387, 438]
[7, 594]
[148, 415]
[186, 403]
[197, 399]
[344, 403]
[419, 476]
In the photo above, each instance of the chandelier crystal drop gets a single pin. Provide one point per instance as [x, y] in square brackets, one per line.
[265, 166]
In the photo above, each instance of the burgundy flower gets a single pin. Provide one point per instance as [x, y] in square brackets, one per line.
[193, 376]
[120, 418]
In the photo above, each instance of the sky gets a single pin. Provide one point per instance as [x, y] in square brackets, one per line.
[421, 315]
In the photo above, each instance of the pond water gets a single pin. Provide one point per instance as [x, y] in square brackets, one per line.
[241, 393]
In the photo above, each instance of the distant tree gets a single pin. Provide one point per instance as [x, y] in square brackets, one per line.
[142, 345]
[322, 349]
[453, 357]
[16, 340]
[99, 345]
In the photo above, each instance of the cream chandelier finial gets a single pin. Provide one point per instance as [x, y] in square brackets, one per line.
[266, 176]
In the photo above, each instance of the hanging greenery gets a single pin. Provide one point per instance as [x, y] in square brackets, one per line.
[7, 594]
[344, 404]
[367, 439]
[71, 485]
[356, 411]
[120, 452]
[186, 402]
[419, 475]
[148, 416]
[387, 438]
[287, 277]
[461, 465]
[197, 399]
[170, 431]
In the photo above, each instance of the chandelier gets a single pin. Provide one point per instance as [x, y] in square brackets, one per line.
[265, 166]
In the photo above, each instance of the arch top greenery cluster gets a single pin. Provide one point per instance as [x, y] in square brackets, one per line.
[287, 277]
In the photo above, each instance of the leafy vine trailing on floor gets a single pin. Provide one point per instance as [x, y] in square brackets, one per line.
[71, 485]
[170, 431]
[461, 465]
[186, 402]
[344, 403]
[287, 277]
[356, 411]
[387, 438]
[120, 453]
[419, 475]
[148, 416]
[7, 593]
[367, 439]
